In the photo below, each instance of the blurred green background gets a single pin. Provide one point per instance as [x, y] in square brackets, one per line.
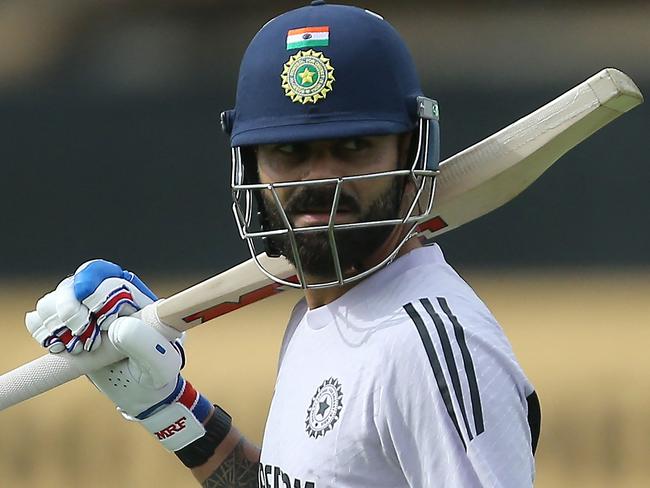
[111, 147]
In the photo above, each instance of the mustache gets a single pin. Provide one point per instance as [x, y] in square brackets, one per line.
[306, 199]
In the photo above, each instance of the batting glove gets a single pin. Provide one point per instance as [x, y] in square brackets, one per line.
[147, 386]
[71, 317]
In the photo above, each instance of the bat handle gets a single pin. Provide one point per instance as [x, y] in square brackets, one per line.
[52, 370]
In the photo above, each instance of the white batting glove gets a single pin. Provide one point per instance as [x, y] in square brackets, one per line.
[71, 317]
[147, 386]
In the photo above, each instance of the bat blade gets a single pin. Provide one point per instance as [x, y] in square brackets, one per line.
[471, 183]
[489, 174]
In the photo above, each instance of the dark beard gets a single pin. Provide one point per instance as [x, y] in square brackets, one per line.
[353, 245]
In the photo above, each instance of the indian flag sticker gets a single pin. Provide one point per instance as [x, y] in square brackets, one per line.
[308, 37]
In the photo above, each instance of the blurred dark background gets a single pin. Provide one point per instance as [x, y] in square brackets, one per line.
[111, 145]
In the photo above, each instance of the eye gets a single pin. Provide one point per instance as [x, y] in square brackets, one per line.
[286, 148]
[354, 144]
[291, 149]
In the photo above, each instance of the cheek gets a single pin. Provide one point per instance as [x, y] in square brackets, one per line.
[279, 171]
[390, 163]
[377, 162]
[368, 191]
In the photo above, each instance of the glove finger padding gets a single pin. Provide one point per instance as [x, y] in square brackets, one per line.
[39, 332]
[71, 312]
[60, 337]
[113, 298]
[109, 291]
[79, 322]
[106, 292]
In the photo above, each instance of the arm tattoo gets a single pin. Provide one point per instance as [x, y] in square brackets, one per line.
[237, 471]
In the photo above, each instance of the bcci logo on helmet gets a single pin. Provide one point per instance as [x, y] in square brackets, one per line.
[307, 77]
[325, 407]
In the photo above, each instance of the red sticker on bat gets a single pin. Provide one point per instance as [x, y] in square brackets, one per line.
[429, 228]
[246, 299]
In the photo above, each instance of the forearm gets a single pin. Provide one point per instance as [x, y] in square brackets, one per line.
[234, 464]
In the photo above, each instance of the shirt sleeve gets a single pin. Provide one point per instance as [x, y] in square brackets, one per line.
[453, 403]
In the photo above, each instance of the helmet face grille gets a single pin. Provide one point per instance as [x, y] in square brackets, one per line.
[251, 200]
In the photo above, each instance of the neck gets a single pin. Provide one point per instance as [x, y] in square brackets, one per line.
[317, 297]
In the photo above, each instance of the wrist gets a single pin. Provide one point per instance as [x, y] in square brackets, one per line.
[184, 394]
[217, 427]
[212, 410]
[179, 419]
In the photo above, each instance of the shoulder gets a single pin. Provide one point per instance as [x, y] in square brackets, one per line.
[444, 336]
[446, 331]
[424, 293]
[451, 375]
[450, 372]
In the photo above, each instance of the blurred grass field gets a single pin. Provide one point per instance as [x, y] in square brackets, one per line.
[582, 337]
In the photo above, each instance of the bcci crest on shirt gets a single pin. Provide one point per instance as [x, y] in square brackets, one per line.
[307, 77]
[325, 407]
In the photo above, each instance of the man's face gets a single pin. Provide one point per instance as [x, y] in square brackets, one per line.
[360, 200]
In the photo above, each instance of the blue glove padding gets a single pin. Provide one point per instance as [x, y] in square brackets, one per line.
[91, 274]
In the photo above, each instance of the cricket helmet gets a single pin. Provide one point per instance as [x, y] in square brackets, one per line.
[327, 72]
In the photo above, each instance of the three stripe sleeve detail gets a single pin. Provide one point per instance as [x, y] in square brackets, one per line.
[449, 359]
[450, 364]
[435, 365]
[469, 366]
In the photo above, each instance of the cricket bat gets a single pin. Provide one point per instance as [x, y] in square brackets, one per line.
[472, 183]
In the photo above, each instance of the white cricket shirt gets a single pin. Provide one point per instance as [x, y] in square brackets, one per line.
[407, 380]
